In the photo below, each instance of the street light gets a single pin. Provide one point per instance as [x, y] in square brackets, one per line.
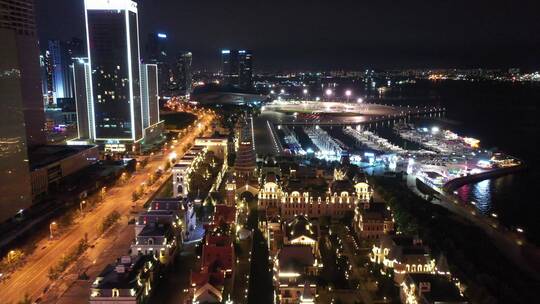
[282, 91]
[348, 93]
[81, 205]
[359, 100]
[51, 229]
[305, 91]
[328, 93]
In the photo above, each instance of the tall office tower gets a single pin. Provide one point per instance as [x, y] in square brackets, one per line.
[183, 66]
[46, 78]
[157, 53]
[245, 69]
[113, 51]
[81, 77]
[229, 66]
[62, 77]
[150, 101]
[237, 68]
[21, 107]
[150, 96]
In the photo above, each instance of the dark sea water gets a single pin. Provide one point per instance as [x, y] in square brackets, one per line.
[501, 115]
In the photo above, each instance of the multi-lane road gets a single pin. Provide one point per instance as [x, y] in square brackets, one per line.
[32, 280]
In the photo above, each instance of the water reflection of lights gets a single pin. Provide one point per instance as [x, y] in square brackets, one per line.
[482, 195]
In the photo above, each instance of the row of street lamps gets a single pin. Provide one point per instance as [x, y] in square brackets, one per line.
[328, 92]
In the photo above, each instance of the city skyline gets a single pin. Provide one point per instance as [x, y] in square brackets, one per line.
[301, 152]
[320, 35]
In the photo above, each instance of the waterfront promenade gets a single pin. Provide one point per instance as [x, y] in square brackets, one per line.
[512, 244]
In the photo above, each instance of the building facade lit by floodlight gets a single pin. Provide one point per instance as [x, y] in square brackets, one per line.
[81, 83]
[113, 57]
[152, 125]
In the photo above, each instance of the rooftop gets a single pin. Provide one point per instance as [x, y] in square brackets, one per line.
[441, 289]
[301, 226]
[160, 230]
[42, 156]
[376, 211]
[121, 275]
[295, 258]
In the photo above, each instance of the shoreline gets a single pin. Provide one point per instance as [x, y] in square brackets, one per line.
[513, 245]
[473, 178]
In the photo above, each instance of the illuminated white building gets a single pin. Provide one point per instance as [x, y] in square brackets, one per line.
[403, 254]
[295, 198]
[122, 94]
[300, 231]
[183, 168]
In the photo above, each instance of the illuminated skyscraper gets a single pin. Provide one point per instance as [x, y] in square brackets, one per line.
[157, 53]
[21, 103]
[152, 126]
[245, 69]
[183, 66]
[237, 68]
[150, 96]
[81, 83]
[114, 60]
[62, 78]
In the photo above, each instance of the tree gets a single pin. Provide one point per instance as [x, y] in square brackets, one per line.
[25, 300]
[134, 196]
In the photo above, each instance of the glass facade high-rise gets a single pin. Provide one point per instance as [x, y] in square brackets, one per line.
[114, 60]
[21, 106]
[81, 77]
[62, 78]
[245, 69]
[157, 53]
[237, 68]
[150, 96]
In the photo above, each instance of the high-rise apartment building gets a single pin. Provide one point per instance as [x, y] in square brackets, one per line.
[237, 68]
[21, 106]
[113, 55]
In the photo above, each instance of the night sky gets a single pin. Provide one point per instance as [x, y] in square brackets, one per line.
[312, 35]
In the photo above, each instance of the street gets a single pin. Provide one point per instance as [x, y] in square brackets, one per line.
[31, 279]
